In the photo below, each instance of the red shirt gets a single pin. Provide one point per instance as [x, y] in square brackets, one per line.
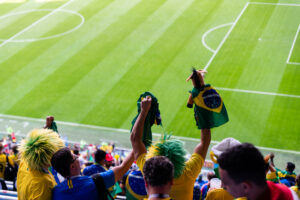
[279, 191]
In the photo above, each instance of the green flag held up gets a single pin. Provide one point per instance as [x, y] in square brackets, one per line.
[153, 117]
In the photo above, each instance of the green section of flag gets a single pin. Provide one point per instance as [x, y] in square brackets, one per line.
[209, 108]
[153, 117]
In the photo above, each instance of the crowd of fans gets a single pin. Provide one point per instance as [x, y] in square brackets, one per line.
[45, 169]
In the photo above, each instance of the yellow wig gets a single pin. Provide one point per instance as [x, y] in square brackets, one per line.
[38, 147]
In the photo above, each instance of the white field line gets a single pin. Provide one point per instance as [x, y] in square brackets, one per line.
[127, 131]
[226, 36]
[49, 37]
[293, 45]
[33, 24]
[293, 63]
[275, 4]
[258, 92]
[208, 32]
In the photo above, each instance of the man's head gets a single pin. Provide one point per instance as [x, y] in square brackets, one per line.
[109, 160]
[66, 163]
[290, 167]
[173, 150]
[15, 149]
[211, 175]
[158, 171]
[100, 156]
[38, 147]
[1, 147]
[49, 121]
[242, 168]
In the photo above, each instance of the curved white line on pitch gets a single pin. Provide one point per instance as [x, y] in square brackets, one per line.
[49, 37]
[211, 30]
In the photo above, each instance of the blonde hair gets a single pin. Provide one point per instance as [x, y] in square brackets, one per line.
[38, 147]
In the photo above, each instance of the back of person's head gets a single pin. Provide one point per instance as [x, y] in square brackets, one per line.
[211, 175]
[99, 155]
[173, 150]
[38, 147]
[76, 152]
[244, 162]
[1, 147]
[15, 149]
[158, 171]
[290, 166]
[61, 161]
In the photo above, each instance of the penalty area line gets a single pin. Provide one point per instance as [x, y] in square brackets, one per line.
[226, 36]
[258, 92]
[128, 131]
[293, 45]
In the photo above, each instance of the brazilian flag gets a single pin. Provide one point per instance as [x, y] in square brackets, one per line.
[209, 108]
[153, 117]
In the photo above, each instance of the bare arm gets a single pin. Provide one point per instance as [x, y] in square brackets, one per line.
[137, 130]
[202, 147]
[120, 170]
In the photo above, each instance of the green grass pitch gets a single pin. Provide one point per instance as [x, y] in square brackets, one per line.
[88, 62]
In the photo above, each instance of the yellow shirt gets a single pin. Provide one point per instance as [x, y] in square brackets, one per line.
[34, 185]
[296, 189]
[14, 158]
[183, 186]
[219, 194]
[3, 164]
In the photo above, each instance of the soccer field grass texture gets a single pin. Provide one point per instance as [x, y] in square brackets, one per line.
[95, 74]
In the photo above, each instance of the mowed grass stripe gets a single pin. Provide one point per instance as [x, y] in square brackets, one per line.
[171, 88]
[11, 49]
[73, 71]
[51, 55]
[264, 69]
[269, 65]
[115, 40]
[290, 82]
[20, 62]
[26, 69]
[144, 73]
[245, 123]
[282, 127]
[230, 62]
[9, 8]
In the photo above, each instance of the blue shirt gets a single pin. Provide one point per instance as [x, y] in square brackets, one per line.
[81, 187]
[93, 169]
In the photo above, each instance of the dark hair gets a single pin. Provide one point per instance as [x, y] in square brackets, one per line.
[1, 146]
[61, 161]
[290, 166]
[158, 171]
[244, 162]
[211, 175]
[15, 149]
[76, 152]
[99, 155]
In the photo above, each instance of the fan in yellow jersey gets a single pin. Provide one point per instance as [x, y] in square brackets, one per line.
[3, 162]
[185, 173]
[34, 180]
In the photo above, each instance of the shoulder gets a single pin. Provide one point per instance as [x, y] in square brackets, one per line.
[93, 169]
[195, 159]
[279, 190]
